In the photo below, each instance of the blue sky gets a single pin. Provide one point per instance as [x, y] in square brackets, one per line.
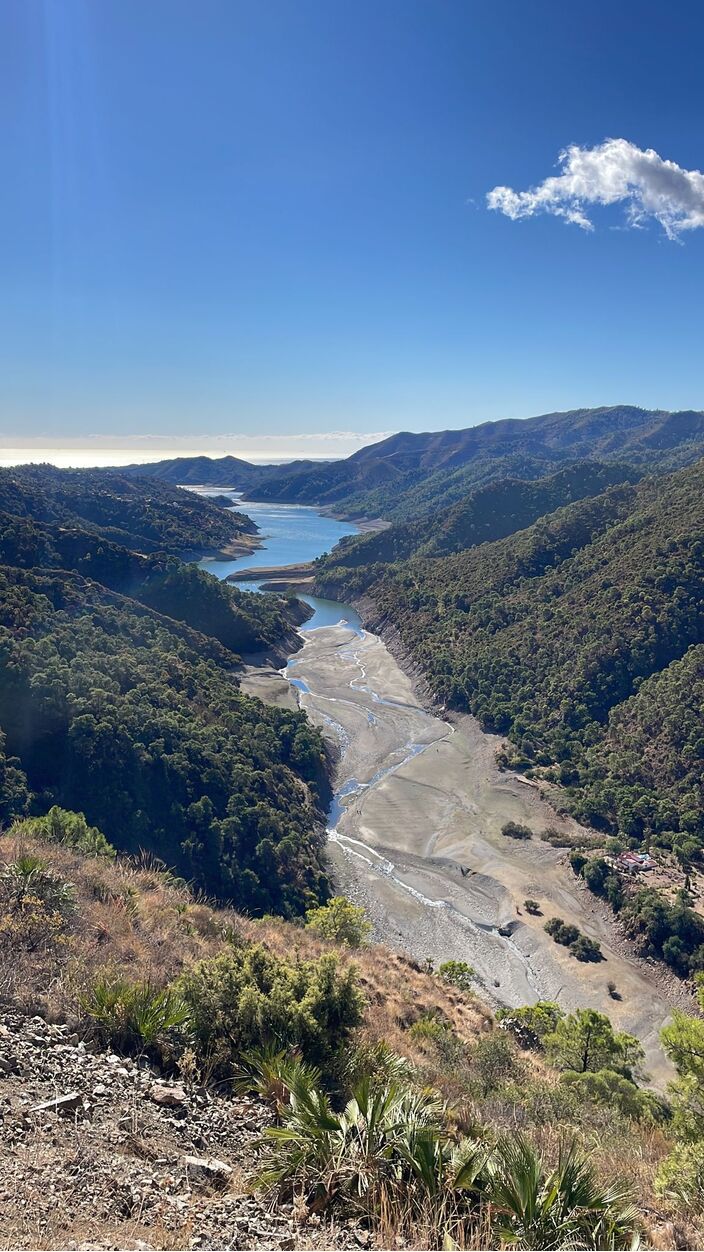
[227, 217]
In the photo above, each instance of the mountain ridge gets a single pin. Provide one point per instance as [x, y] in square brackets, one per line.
[410, 473]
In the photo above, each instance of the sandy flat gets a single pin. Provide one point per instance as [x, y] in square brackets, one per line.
[417, 837]
[269, 686]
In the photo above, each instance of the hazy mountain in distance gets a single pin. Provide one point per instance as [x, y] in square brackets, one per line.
[195, 471]
[408, 475]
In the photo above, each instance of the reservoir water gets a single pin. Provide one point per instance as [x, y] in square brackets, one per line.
[414, 827]
[290, 534]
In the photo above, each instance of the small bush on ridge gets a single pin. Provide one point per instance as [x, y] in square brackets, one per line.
[67, 828]
[516, 830]
[249, 998]
[458, 973]
[341, 921]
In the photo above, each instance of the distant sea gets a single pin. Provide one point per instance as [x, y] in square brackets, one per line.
[89, 450]
[88, 458]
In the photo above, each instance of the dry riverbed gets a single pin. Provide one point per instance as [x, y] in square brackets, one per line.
[416, 837]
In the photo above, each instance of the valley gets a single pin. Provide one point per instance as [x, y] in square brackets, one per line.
[414, 831]
[414, 834]
[275, 785]
[351, 627]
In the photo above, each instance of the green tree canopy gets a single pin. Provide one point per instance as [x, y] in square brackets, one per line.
[341, 921]
[586, 1041]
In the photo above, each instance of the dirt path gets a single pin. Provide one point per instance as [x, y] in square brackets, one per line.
[416, 835]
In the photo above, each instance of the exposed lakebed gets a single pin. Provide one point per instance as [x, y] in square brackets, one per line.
[415, 824]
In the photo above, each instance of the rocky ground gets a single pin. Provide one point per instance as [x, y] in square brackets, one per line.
[100, 1152]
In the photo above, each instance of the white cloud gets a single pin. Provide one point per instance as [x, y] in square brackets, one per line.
[612, 172]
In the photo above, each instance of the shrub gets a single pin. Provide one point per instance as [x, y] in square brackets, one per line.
[683, 1041]
[595, 872]
[577, 860]
[603, 880]
[433, 1028]
[562, 932]
[388, 1156]
[495, 1062]
[341, 921]
[559, 838]
[531, 1023]
[516, 830]
[386, 1145]
[604, 1086]
[458, 974]
[35, 904]
[586, 1041]
[532, 907]
[249, 998]
[376, 1061]
[271, 1073]
[564, 1208]
[136, 1017]
[586, 949]
[67, 828]
[681, 1176]
[29, 877]
[672, 930]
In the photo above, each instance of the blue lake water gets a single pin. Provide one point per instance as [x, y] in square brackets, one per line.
[330, 613]
[290, 533]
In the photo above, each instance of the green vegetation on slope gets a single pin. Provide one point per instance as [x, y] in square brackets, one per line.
[408, 475]
[139, 513]
[487, 513]
[138, 722]
[647, 770]
[242, 621]
[572, 638]
[395, 1097]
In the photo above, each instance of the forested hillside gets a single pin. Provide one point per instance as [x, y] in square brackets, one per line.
[408, 475]
[196, 471]
[647, 769]
[572, 638]
[112, 709]
[242, 621]
[119, 693]
[490, 512]
[143, 514]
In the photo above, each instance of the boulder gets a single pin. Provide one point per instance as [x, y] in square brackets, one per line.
[168, 1097]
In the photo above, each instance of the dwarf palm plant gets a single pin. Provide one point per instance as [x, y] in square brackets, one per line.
[375, 1139]
[272, 1073]
[135, 1017]
[28, 878]
[387, 1150]
[566, 1207]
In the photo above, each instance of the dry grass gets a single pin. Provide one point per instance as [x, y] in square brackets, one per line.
[138, 920]
[141, 921]
[129, 918]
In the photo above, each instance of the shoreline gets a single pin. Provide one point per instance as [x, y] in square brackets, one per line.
[276, 577]
[241, 546]
[416, 839]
